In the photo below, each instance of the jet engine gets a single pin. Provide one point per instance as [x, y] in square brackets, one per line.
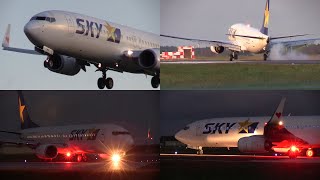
[217, 49]
[149, 59]
[46, 151]
[62, 65]
[253, 144]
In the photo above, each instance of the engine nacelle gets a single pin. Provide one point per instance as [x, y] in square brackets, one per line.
[149, 59]
[217, 49]
[252, 144]
[47, 151]
[62, 65]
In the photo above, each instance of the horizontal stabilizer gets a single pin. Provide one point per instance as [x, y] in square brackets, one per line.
[283, 37]
[253, 37]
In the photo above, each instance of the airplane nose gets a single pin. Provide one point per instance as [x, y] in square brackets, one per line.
[31, 29]
[179, 136]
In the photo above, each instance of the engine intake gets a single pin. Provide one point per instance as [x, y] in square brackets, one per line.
[62, 65]
[149, 59]
[253, 144]
[46, 151]
[217, 49]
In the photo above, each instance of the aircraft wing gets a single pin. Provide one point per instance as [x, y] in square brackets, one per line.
[296, 43]
[6, 46]
[227, 45]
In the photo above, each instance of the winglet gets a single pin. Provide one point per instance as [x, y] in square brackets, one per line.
[277, 115]
[6, 39]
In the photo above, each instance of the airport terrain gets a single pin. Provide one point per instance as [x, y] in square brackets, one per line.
[240, 76]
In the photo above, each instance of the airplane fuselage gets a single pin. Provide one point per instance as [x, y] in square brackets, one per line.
[90, 39]
[91, 138]
[226, 132]
[252, 45]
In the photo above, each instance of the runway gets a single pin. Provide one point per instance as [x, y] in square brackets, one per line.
[188, 166]
[140, 169]
[292, 62]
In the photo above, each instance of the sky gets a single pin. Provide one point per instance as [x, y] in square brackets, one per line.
[210, 19]
[179, 108]
[23, 71]
[136, 111]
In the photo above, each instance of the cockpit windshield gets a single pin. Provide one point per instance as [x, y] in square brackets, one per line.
[115, 133]
[42, 18]
[186, 128]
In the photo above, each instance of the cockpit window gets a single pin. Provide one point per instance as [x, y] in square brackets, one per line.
[186, 128]
[42, 18]
[115, 133]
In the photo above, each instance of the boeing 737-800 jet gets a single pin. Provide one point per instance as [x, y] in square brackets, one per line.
[106, 140]
[256, 134]
[73, 41]
[244, 38]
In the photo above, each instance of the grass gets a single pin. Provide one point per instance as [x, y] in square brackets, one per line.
[240, 76]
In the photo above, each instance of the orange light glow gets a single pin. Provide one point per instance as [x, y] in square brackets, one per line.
[309, 153]
[294, 149]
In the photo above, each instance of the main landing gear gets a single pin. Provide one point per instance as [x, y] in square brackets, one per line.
[200, 151]
[233, 56]
[265, 57]
[155, 81]
[104, 81]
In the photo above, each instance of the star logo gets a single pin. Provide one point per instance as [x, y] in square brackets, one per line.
[266, 16]
[21, 109]
[244, 126]
[247, 126]
[111, 31]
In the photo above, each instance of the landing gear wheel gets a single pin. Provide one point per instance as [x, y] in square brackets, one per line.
[265, 57]
[109, 83]
[200, 152]
[231, 57]
[235, 55]
[101, 83]
[155, 82]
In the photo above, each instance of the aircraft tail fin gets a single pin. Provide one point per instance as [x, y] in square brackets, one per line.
[6, 39]
[265, 24]
[25, 119]
[277, 115]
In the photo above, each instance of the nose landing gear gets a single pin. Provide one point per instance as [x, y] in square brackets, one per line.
[104, 81]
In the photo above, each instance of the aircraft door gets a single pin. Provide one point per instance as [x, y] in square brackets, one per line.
[71, 26]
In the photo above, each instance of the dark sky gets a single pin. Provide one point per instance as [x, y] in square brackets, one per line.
[178, 108]
[134, 110]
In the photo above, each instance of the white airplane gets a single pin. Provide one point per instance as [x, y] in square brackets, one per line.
[75, 141]
[244, 38]
[291, 135]
[73, 41]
